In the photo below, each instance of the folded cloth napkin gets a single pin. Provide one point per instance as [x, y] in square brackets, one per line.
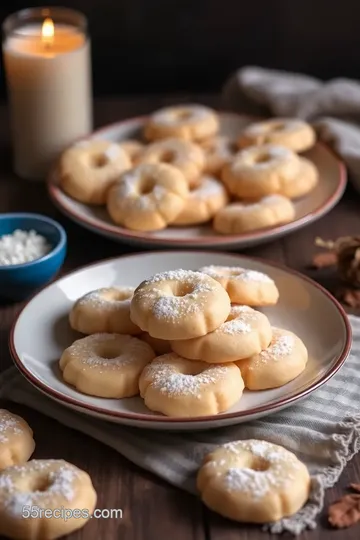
[332, 107]
[323, 431]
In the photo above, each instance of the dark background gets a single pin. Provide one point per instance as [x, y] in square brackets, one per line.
[146, 46]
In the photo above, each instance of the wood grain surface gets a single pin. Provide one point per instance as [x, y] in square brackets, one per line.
[153, 510]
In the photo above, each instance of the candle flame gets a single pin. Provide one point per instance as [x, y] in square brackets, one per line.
[47, 31]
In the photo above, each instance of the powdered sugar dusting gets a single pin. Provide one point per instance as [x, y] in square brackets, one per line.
[108, 297]
[236, 272]
[93, 350]
[166, 376]
[278, 467]
[170, 307]
[9, 425]
[235, 326]
[281, 345]
[56, 478]
[210, 187]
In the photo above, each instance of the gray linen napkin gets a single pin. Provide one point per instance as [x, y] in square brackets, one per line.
[333, 107]
[323, 431]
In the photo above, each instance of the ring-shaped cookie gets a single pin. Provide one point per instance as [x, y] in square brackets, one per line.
[178, 387]
[179, 304]
[244, 330]
[238, 218]
[89, 168]
[292, 133]
[191, 122]
[203, 202]
[186, 156]
[253, 481]
[281, 362]
[104, 310]
[16, 440]
[52, 485]
[148, 197]
[244, 286]
[259, 171]
[106, 365]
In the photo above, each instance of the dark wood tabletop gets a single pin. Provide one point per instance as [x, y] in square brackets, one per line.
[152, 509]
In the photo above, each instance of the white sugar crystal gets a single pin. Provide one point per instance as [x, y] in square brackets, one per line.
[22, 246]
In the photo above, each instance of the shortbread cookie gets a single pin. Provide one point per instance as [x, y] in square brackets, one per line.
[253, 481]
[133, 148]
[177, 387]
[244, 286]
[148, 197]
[104, 310]
[244, 330]
[284, 359]
[262, 170]
[292, 133]
[56, 487]
[190, 122]
[16, 440]
[186, 156]
[160, 346]
[179, 304]
[106, 365]
[203, 202]
[219, 151]
[238, 218]
[89, 168]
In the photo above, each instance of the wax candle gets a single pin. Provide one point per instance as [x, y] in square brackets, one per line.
[48, 71]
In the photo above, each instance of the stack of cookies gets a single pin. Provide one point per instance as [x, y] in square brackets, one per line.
[184, 171]
[187, 342]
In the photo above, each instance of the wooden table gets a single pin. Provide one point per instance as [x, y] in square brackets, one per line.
[152, 509]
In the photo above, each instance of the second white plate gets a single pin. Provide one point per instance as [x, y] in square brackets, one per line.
[328, 192]
[42, 332]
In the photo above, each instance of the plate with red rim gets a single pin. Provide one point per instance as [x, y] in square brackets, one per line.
[331, 186]
[41, 333]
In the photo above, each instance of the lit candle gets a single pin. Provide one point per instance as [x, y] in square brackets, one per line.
[48, 71]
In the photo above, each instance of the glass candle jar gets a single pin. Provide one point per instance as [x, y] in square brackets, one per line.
[48, 72]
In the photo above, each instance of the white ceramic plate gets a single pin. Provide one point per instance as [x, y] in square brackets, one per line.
[320, 201]
[42, 332]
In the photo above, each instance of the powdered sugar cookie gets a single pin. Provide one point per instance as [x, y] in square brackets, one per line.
[160, 346]
[179, 304]
[88, 169]
[244, 330]
[148, 197]
[244, 286]
[292, 133]
[186, 156]
[261, 170]
[178, 387]
[305, 181]
[219, 151]
[253, 481]
[106, 365]
[52, 485]
[284, 359]
[16, 440]
[191, 122]
[237, 218]
[104, 310]
[203, 202]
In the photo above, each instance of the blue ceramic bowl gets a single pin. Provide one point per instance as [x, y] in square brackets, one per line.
[18, 281]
